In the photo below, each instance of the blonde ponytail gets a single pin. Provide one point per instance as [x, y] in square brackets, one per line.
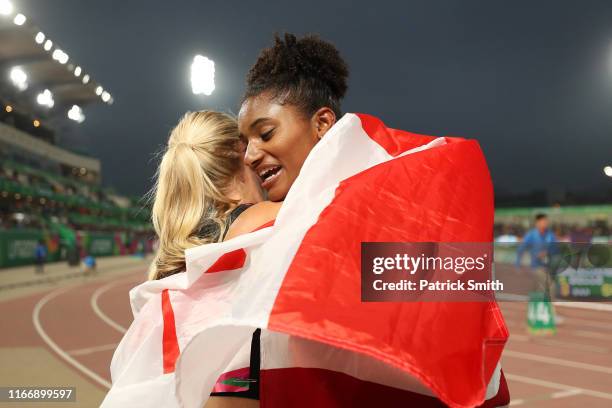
[200, 162]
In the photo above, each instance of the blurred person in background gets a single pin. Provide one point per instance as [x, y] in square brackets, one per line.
[541, 243]
[88, 264]
[41, 256]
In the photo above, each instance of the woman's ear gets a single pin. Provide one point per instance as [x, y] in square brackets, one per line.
[323, 120]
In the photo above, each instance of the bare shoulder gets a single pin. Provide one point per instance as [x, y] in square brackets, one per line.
[253, 217]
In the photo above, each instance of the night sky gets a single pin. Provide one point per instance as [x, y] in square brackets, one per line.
[531, 80]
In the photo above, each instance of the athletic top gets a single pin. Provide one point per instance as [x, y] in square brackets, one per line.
[210, 229]
[233, 216]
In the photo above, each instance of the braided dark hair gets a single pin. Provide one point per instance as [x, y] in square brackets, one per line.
[308, 73]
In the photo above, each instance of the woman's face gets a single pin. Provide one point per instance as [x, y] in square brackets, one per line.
[279, 139]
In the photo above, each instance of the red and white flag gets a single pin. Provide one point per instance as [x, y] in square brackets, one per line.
[299, 281]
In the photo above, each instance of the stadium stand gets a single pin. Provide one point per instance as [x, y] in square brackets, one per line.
[49, 193]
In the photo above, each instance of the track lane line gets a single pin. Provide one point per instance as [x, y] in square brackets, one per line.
[557, 361]
[559, 343]
[58, 350]
[540, 398]
[96, 308]
[558, 386]
[89, 350]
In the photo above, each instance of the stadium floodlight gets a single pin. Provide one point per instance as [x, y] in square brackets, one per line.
[85, 78]
[77, 71]
[99, 90]
[202, 75]
[60, 56]
[608, 171]
[19, 78]
[19, 19]
[106, 96]
[6, 7]
[45, 98]
[40, 37]
[76, 113]
[48, 45]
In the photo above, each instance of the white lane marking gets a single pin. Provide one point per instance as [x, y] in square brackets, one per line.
[89, 350]
[566, 344]
[558, 386]
[41, 332]
[540, 398]
[558, 361]
[592, 335]
[100, 313]
[606, 307]
[563, 394]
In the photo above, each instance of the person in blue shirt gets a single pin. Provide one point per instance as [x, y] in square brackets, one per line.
[41, 256]
[541, 242]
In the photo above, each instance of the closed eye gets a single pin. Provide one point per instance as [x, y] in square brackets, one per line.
[266, 136]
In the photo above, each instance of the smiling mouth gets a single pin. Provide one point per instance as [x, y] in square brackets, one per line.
[269, 175]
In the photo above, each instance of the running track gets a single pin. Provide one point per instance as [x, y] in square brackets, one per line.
[82, 324]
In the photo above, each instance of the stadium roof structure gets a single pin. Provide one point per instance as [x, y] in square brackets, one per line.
[31, 59]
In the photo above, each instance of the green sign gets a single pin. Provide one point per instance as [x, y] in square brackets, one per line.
[18, 247]
[588, 284]
[540, 314]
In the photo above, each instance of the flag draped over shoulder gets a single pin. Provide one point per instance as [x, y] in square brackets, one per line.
[299, 281]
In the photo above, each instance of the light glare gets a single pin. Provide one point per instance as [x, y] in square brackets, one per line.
[77, 71]
[76, 113]
[19, 19]
[608, 171]
[19, 78]
[99, 90]
[48, 45]
[85, 78]
[45, 98]
[40, 37]
[6, 7]
[202, 75]
[60, 56]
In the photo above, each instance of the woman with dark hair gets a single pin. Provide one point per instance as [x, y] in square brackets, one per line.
[293, 97]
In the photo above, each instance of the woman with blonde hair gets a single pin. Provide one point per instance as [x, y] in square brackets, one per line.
[202, 185]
